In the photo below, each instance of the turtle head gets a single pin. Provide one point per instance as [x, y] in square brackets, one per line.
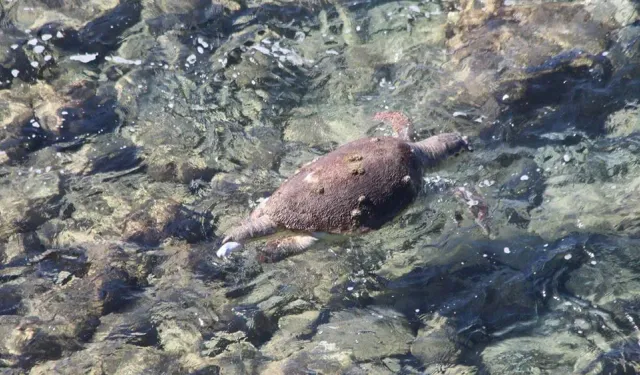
[436, 149]
[455, 144]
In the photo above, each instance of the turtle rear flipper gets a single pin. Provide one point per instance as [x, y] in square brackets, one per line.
[281, 248]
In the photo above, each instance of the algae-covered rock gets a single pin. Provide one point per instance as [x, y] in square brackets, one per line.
[322, 356]
[624, 122]
[114, 358]
[436, 345]
[288, 339]
[519, 39]
[29, 199]
[551, 355]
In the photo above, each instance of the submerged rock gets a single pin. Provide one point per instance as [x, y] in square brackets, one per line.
[154, 122]
[288, 339]
[29, 199]
[114, 358]
[322, 356]
[366, 334]
[65, 116]
[552, 355]
[624, 122]
[603, 208]
[156, 220]
[436, 345]
[522, 72]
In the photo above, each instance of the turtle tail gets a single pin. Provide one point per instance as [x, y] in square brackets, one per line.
[253, 227]
[437, 148]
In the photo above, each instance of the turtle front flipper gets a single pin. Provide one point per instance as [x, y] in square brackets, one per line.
[400, 124]
[252, 228]
[227, 248]
[476, 206]
[281, 248]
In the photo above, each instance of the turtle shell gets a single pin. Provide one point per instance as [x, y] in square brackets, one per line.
[357, 187]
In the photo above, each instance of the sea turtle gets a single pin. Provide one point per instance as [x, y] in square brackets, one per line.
[355, 188]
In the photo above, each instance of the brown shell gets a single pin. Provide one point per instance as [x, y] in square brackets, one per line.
[357, 187]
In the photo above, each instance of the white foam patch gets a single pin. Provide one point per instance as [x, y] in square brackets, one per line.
[122, 60]
[262, 49]
[87, 57]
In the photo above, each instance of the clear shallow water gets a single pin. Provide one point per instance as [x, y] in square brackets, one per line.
[133, 134]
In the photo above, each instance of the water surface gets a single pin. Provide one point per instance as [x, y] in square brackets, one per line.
[134, 133]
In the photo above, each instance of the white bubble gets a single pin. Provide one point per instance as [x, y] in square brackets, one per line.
[46, 37]
[568, 256]
[524, 177]
[203, 43]
[507, 250]
[38, 49]
[15, 72]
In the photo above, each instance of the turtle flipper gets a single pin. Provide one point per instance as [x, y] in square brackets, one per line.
[477, 207]
[279, 249]
[227, 248]
[252, 228]
[400, 124]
